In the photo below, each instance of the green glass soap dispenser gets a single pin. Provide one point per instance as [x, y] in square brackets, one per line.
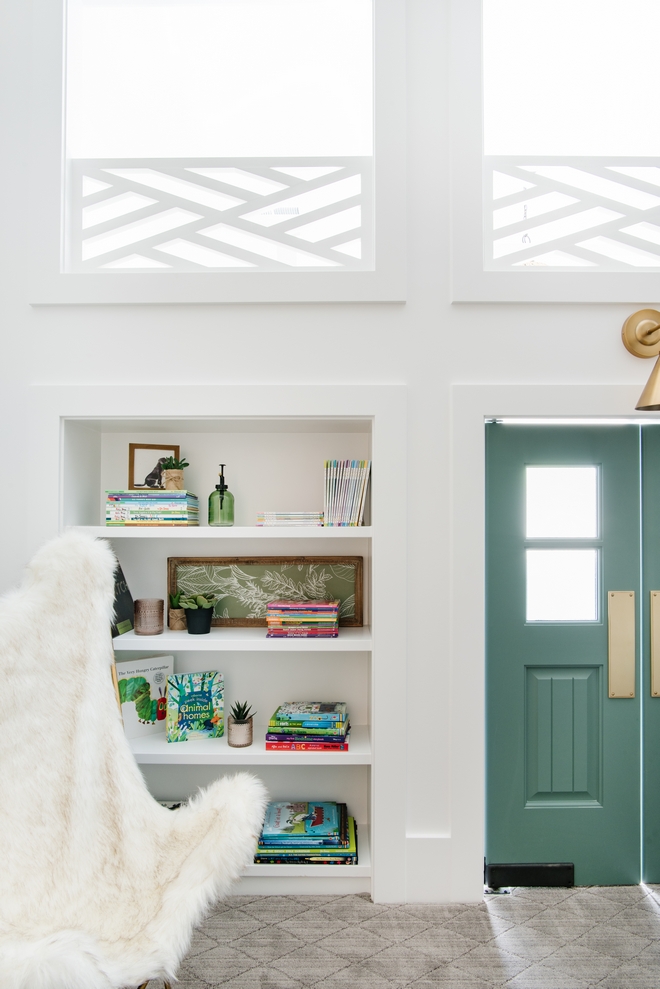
[221, 503]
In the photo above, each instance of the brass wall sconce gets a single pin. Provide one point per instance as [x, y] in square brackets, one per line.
[641, 337]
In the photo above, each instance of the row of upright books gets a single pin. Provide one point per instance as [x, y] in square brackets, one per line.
[151, 508]
[302, 619]
[345, 497]
[307, 833]
[309, 726]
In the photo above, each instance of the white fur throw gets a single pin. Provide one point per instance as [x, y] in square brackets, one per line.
[100, 886]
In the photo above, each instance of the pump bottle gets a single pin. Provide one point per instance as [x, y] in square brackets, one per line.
[221, 503]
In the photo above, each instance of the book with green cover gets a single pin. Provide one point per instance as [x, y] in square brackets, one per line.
[195, 706]
[142, 686]
[285, 728]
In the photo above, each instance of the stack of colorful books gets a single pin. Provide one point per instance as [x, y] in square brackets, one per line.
[304, 833]
[309, 726]
[302, 619]
[290, 518]
[154, 507]
[346, 483]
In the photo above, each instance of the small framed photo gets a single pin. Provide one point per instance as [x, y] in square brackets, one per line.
[145, 464]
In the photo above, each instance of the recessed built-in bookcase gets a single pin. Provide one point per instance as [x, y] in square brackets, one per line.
[273, 463]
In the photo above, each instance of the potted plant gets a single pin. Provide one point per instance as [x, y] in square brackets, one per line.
[199, 612]
[172, 473]
[240, 725]
[177, 615]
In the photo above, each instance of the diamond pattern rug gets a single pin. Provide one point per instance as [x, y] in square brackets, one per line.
[531, 939]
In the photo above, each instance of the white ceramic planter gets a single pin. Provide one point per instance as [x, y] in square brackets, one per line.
[239, 733]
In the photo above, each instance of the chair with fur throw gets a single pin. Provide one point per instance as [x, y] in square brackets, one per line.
[100, 886]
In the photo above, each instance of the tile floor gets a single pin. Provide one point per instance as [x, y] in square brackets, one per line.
[531, 939]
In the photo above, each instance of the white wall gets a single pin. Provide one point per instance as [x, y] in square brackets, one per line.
[427, 344]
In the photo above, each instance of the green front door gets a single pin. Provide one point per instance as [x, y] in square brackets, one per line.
[650, 700]
[563, 757]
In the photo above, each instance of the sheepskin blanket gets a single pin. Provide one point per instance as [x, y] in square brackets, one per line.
[100, 886]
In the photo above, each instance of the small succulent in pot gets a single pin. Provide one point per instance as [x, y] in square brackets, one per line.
[240, 725]
[195, 601]
[199, 612]
[172, 473]
[177, 615]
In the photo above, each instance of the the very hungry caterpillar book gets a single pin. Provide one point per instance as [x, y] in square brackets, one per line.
[195, 706]
[142, 686]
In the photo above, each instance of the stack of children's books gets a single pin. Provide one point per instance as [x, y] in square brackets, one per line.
[346, 483]
[290, 518]
[307, 832]
[154, 507]
[309, 726]
[302, 619]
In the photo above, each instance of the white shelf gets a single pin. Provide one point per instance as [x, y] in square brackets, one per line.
[243, 640]
[230, 532]
[362, 869]
[154, 749]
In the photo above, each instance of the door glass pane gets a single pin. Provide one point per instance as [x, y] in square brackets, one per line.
[562, 502]
[562, 585]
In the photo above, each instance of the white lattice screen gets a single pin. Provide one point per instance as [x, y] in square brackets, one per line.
[256, 214]
[571, 214]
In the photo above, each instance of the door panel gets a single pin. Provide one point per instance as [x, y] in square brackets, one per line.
[563, 736]
[650, 704]
[562, 757]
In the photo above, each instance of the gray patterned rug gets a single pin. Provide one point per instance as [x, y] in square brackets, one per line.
[532, 939]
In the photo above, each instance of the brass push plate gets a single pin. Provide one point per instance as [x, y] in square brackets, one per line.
[621, 643]
[655, 643]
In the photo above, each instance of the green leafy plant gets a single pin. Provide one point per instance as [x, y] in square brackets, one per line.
[175, 600]
[172, 463]
[241, 712]
[197, 601]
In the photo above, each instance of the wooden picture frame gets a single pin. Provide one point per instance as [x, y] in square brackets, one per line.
[272, 578]
[164, 450]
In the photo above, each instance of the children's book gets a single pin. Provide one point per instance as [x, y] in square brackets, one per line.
[347, 855]
[301, 821]
[142, 687]
[311, 711]
[195, 706]
[123, 606]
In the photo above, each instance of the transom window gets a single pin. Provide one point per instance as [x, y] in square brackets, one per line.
[571, 142]
[221, 135]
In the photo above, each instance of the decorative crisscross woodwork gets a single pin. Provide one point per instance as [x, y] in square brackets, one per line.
[257, 214]
[571, 214]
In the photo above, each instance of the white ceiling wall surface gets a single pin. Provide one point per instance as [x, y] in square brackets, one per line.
[427, 344]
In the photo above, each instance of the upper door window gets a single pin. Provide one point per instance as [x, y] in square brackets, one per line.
[561, 506]
[571, 142]
[221, 135]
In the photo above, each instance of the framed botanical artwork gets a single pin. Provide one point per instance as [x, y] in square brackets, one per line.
[244, 585]
[145, 464]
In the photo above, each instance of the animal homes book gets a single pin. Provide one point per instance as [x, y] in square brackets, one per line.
[195, 706]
